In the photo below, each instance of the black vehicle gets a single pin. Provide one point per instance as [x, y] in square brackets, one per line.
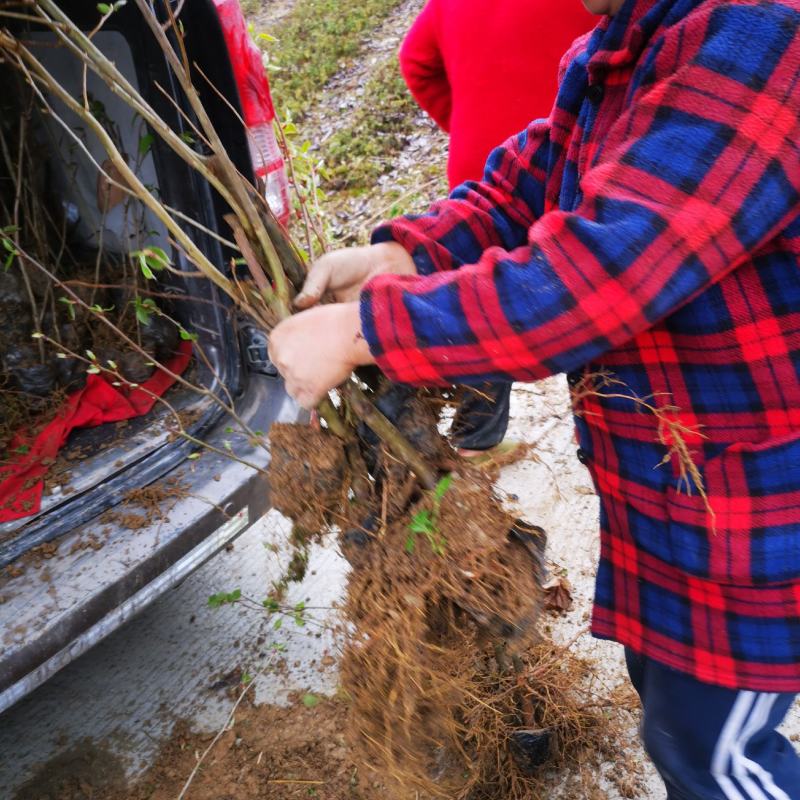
[72, 573]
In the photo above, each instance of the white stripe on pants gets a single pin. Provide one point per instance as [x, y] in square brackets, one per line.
[748, 716]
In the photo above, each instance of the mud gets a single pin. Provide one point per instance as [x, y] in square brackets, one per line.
[268, 752]
[82, 772]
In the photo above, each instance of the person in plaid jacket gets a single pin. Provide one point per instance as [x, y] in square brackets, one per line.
[645, 240]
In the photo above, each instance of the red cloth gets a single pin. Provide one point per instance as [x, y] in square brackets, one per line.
[483, 71]
[22, 482]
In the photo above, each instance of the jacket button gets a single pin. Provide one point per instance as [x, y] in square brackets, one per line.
[595, 93]
[583, 456]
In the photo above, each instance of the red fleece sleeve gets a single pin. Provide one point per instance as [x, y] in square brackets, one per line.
[423, 69]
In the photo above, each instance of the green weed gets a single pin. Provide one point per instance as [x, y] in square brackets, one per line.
[379, 130]
[314, 42]
[426, 521]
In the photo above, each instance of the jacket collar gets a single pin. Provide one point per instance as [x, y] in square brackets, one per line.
[619, 40]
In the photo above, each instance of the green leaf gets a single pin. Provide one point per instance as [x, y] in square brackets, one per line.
[186, 336]
[278, 624]
[145, 143]
[187, 137]
[410, 542]
[144, 309]
[421, 522]
[224, 598]
[443, 486]
[151, 260]
[70, 304]
[310, 700]
[104, 8]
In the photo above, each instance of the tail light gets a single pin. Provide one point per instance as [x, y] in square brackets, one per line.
[257, 109]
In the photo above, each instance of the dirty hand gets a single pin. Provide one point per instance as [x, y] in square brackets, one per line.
[343, 273]
[317, 350]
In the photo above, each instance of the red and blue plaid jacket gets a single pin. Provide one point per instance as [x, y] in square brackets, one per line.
[648, 231]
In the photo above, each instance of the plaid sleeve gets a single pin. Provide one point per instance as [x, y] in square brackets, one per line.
[497, 212]
[698, 173]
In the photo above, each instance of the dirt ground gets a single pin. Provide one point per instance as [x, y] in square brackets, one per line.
[277, 753]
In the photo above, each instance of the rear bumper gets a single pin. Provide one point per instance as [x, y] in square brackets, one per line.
[60, 607]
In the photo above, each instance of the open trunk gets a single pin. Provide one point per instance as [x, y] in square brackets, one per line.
[79, 566]
[90, 231]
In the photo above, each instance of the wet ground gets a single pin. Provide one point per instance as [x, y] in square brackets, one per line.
[114, 707]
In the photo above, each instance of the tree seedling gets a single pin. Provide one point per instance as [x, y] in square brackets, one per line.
[426, 522]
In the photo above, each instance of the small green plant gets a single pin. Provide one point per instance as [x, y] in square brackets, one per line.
[109, 8]
[144, 308]
[224, 598]
[426, 521]
[150, 261]
[10, 248]
[310, 700]
[70, 304]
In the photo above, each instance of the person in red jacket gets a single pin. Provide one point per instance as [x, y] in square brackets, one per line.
[483, 71]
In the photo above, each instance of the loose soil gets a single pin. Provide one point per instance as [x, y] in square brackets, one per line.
[275, 753]
[302, 751]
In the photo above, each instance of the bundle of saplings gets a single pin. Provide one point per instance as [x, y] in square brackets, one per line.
[57, 293]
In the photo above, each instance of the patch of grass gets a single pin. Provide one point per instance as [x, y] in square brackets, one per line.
[359, 154]
[312, 43]
[250, 7]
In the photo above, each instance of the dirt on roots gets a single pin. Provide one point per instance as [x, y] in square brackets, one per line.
[442, 669]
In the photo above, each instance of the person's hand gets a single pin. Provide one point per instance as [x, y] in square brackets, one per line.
[317, 350]
[342, 273]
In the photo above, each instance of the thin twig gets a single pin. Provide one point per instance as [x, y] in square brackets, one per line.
[224, 728]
